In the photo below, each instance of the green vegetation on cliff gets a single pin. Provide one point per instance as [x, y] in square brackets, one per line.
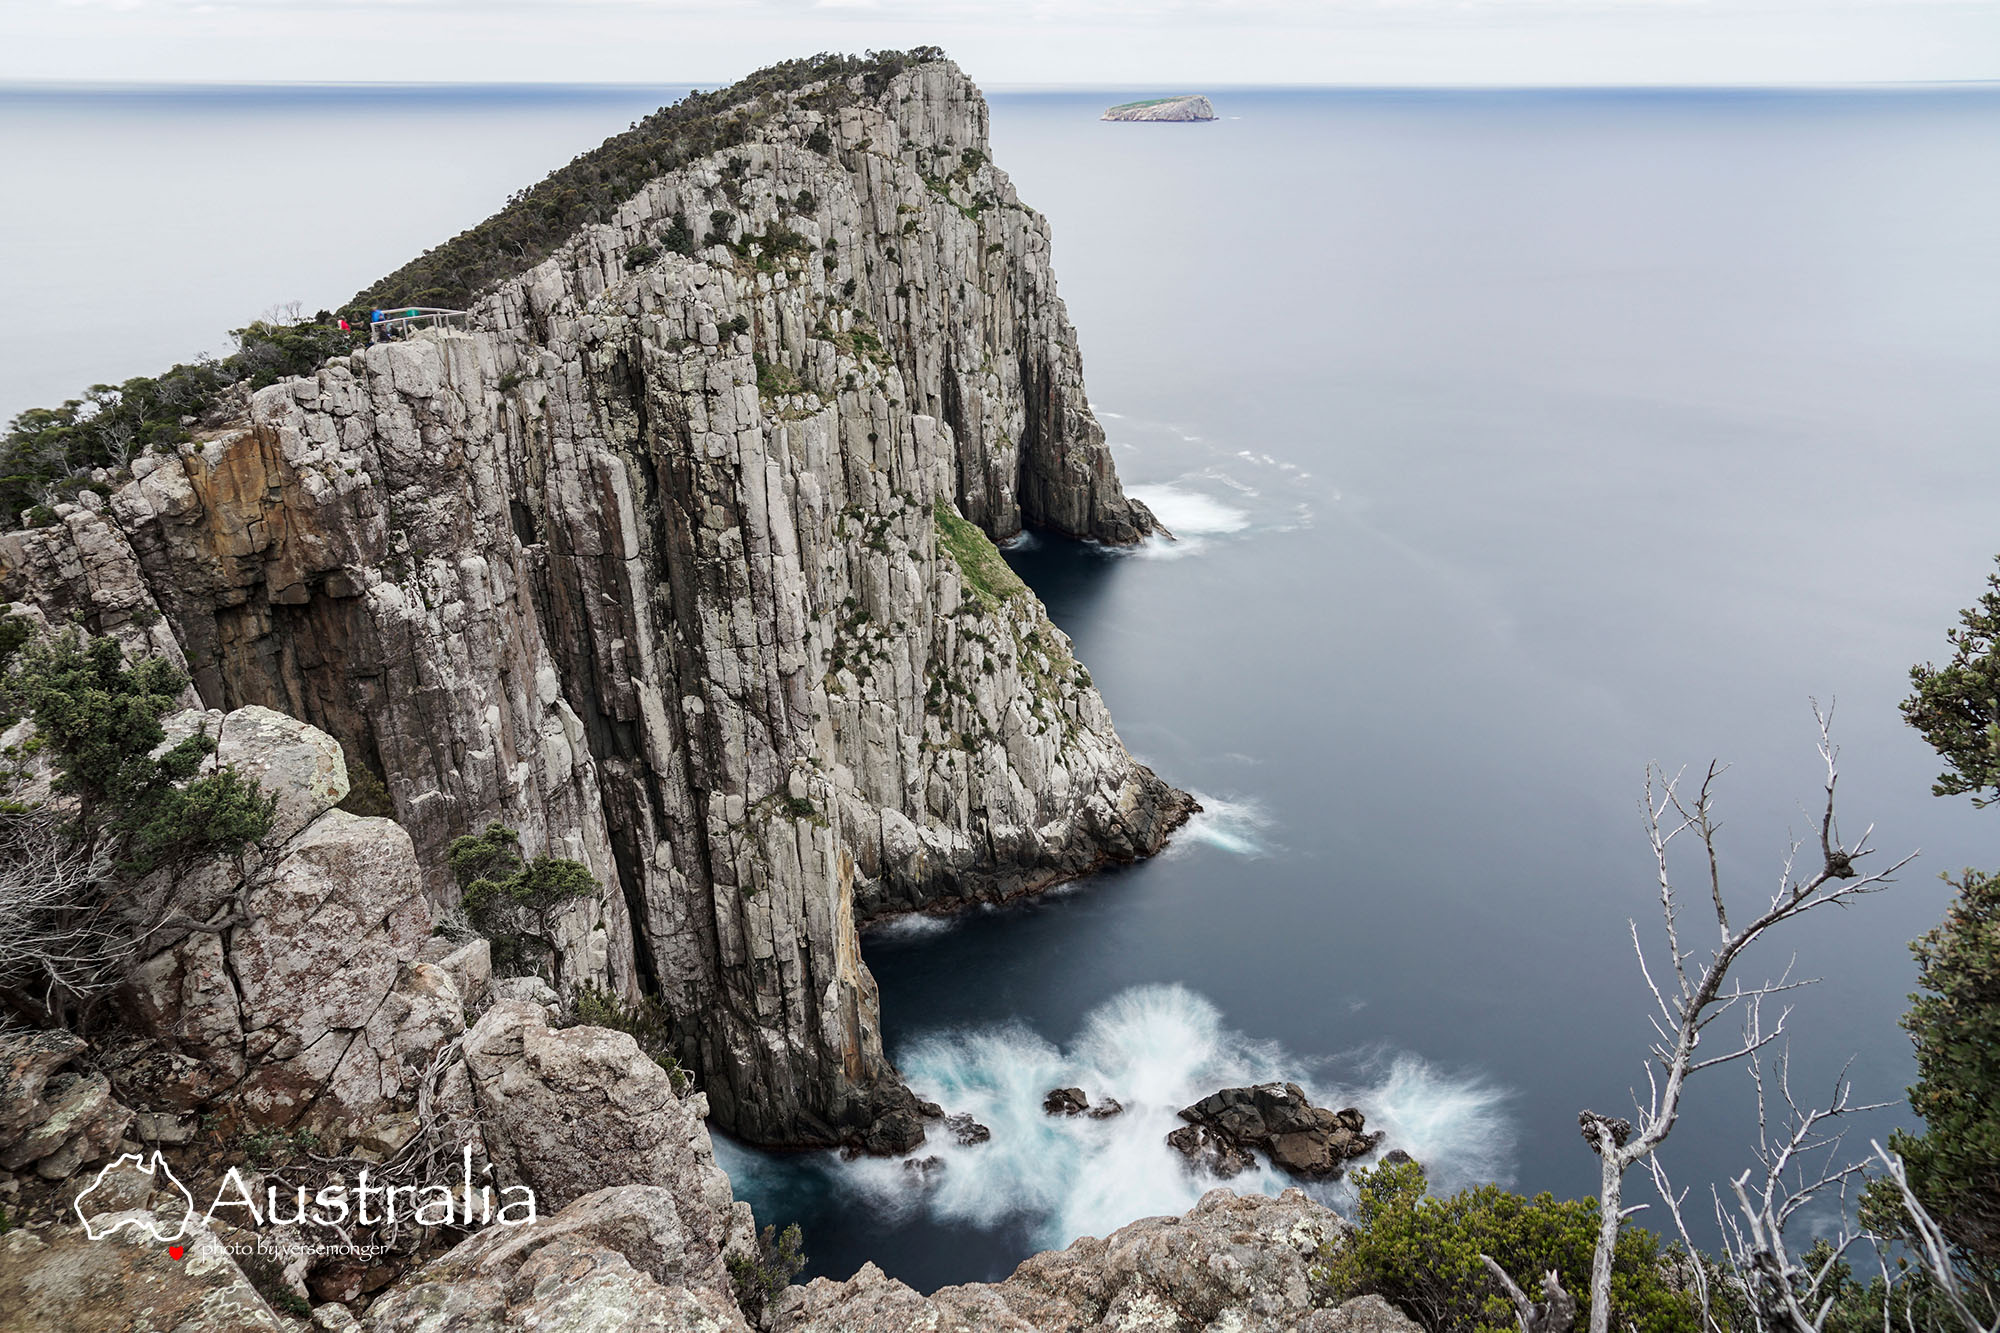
[1422, 1253]
[540, 218]
[48, 453]
[986, 571]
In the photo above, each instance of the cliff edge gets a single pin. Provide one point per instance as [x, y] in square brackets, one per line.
[679, 560]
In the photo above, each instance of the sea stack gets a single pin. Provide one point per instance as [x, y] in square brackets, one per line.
[1191, 107]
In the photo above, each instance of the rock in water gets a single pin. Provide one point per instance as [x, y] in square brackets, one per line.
[679, 560]
[1065, 1101]
[966, 1131]
[1206, 1150]
[1308, 1141]
[1183, 110]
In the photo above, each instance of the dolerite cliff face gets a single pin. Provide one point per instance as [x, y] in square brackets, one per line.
[665, 562]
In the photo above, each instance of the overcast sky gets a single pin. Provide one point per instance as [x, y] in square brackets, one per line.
[1096, 43]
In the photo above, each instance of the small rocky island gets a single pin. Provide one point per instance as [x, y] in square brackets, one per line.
[1192, 107]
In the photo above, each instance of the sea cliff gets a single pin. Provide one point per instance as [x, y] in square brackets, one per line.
[678, 559]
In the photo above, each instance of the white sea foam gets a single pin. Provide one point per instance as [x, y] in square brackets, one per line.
[1192, 516]
[1189, 512]
[1155, 1049]
[1238, 827]
[913, 926]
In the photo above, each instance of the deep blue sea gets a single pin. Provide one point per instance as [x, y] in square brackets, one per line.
[1514, 441]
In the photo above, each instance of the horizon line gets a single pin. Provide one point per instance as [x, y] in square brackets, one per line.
[30, 84]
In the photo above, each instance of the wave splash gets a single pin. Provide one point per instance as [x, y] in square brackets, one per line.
[1240, 828]
[1155, 1049]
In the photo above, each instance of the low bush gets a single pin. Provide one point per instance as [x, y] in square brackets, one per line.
[1422, 1253]
[510, 899]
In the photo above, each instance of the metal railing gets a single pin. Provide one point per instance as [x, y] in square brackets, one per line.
[401, 323]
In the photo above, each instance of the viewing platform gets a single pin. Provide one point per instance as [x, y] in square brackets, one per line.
[401, 323]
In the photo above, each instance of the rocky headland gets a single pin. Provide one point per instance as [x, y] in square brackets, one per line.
[679, 561]
[1186, 109]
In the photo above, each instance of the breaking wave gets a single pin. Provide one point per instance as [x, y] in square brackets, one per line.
[1155, 1049]
[1240, 828]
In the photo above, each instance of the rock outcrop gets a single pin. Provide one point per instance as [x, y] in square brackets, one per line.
[53, 1119]
[308, 1005]
[613, 1260]
[127, 1282]
[1184, 109]
[1307, 1141]
[1237, 1263]
[572, 1111]
[680, 564]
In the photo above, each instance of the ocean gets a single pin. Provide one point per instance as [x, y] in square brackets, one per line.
[1512, 440]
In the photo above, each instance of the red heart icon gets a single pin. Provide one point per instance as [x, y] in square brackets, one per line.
[176, 1251]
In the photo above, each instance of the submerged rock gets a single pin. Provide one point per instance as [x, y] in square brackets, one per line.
[1107, 1108]
[1189, 107]
[1304, 1140]
[966, 1131]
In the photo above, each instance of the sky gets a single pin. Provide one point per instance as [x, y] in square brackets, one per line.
[1025, 43]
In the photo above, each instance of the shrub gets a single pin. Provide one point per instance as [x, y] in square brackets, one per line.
[1957, 706]
[775, 378]
[678, 237]
[740, 324]
[1422, 1253]
[758, 1280]
[806, 203]
[721, 225]
[510, 900]
[639, 256]
[98, 718]
[647, 1022]
[820, 141]
[1954, 1165]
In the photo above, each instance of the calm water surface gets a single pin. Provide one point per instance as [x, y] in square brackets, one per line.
[1514, 440]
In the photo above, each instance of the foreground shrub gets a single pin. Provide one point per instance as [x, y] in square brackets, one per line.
[1422, 1253]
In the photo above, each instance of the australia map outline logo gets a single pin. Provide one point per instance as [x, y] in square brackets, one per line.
[161, 1174]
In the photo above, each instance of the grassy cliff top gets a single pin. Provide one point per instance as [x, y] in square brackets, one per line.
[538, 219]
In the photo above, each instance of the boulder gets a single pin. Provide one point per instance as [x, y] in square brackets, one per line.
[1206, 1150]
[1065, 1101]
[27, 1059]
[620, 1258]
[127, 1282]
[1363, 1314]
[1307, 1141]
[965, 1131]
[568, 1112]
[1241, 1264]
[296, 762]
[52, 1119]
